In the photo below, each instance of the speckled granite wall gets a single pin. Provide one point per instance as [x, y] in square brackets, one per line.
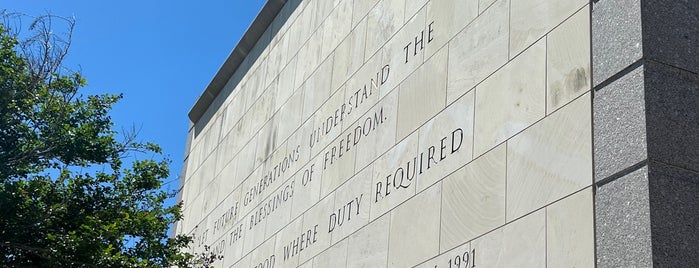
[646, 132]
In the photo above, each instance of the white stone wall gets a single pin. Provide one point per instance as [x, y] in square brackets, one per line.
[399, 133]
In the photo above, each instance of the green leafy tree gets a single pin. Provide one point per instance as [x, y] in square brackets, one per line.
[67, 197]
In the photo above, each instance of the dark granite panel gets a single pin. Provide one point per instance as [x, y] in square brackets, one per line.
[619, 125]
[622, 219]
[671, 32]
[672, 115]
[616, 37]
[674, 204]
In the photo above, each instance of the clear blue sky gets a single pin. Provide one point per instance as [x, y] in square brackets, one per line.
[159, 54]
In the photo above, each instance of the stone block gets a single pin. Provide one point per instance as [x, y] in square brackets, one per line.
[519, 243]
[570, 232]
[404, 52]
[352, 204]
[393, 181]
[532, 19]
[673, 218]
[286, 254]
[484, 4]
[374, 135]
[412, 7]
[286, 84]
[478, 50]
[422, 94]
[414, 231]
[618, 20]
[384, 20]
[622, 222]
[336, 27]
[360, 9]
[620, 124]
[335, 256]
[307, 186]
[511, 100]
[363, 89]
[672, 115]
[368, 247]
[315, 220]
[317, 89]
[568, 60]
[451, 129]
[349, 55]
[473, 199]
[448, 18]
[670, 32]
[550, 160]
[461, 256]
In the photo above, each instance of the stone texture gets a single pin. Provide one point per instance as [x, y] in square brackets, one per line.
[262, 256]
[366, 79]
[285, 257]
[360, 10]
[620, 124]
[349, 55]
[254, 232]
[670, 32]
[403, 61]
[384, 20]
[527, 28]
[317, 88]
[673, 218]
[570, 232]
[473, 199]
[510, 100]
[521, 243]
[368, 247]
[288, 117]
[412, 7]
[550, 160]
[622, 222]
[448, 18]
[459, 115]
[484, 4]
[568, 60]
[478, 50]
[317, 216]
[286, 84]
[414, 231]
[307, 191]
[352, 204]
[620, 21]
[327, 126]
[462, 253]
[339, 171]
[336, 27]
[385, 172]
[672, 115]
[422, 95]
[335, 256]
[246, 160]
[309, 59]
[280, 215]
[383, 137]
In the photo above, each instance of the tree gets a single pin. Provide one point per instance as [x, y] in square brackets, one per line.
[67, 197]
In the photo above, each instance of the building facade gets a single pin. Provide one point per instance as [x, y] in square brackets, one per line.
[440, 133]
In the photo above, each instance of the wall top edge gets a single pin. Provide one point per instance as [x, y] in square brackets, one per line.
[254, 32]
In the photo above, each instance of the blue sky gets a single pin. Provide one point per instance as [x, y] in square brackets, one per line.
[159, 54]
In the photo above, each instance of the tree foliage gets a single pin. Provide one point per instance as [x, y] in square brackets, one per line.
[67, 197]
